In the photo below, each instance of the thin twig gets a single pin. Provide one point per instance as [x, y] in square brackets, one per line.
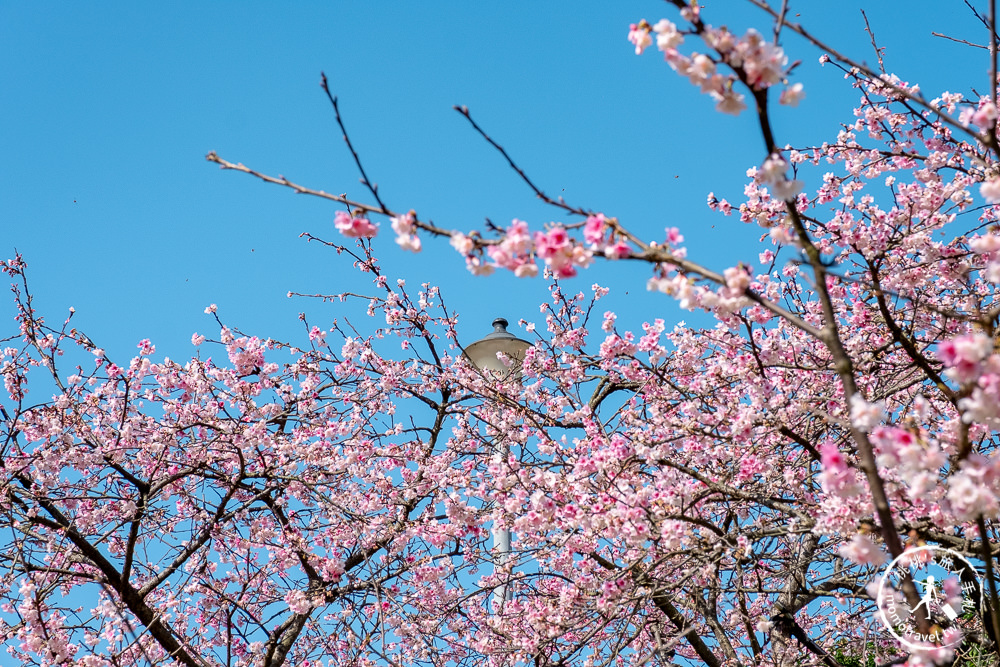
[780, 22]
[559, 203]
[862, 68]
[982, 19]
[372, 187]
[871, 33]
[960, 41]
[281, 180]
[650, 254]
[302, 190]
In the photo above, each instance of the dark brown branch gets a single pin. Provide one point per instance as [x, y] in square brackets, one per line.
[372, 187]
[663, 603]
[844, 367]
[789, 624]
[802, 442]
[129, 596]
[192, 546]
[895, 661]
[558, 203]
[829, 334]
[302, 190]
[900, 337]
[278, 648]
[979, 16]
[133, 538]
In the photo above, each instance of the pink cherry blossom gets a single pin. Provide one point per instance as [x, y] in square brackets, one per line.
[561, 255]
[720, 489]
[737, 279]
[404, 227]
[990, 190]
[594, 229]
[462, 243]
[638, 34]
[837, 478]
[477, 266]
[763, 61]
[618, 250]
[988, 243]
[667, 35]
[354, 227]
[514, 251]
[729, 101]
[972, 491]
[864, 415]
[792, 95]
[863, 551]
[986, 115]
[963, 355]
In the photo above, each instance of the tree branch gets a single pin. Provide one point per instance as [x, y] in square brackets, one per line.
[372, 187]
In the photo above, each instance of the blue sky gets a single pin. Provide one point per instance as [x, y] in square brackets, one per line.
[109, 109]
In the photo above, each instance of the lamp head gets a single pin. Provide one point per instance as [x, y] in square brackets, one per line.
[483, 352]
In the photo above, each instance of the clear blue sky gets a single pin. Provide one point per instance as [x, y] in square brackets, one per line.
[108, 110]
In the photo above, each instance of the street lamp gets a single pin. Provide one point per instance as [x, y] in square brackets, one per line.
[483, 355]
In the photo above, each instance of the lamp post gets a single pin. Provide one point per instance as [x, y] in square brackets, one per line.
[483, 355]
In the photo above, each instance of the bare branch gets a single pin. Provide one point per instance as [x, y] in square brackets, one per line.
[302, 190]
[878, 50]
[867, 71]
[960, 41]
[558, 203]
[372, 187]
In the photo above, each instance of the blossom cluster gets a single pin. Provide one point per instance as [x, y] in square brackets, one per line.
[405, 228]
[349, 487]
[354, 226]
[758, 63]
[519, 248]
[514, 252]
[972, 361]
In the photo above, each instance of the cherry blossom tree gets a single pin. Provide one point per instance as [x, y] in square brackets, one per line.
[720, 496]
